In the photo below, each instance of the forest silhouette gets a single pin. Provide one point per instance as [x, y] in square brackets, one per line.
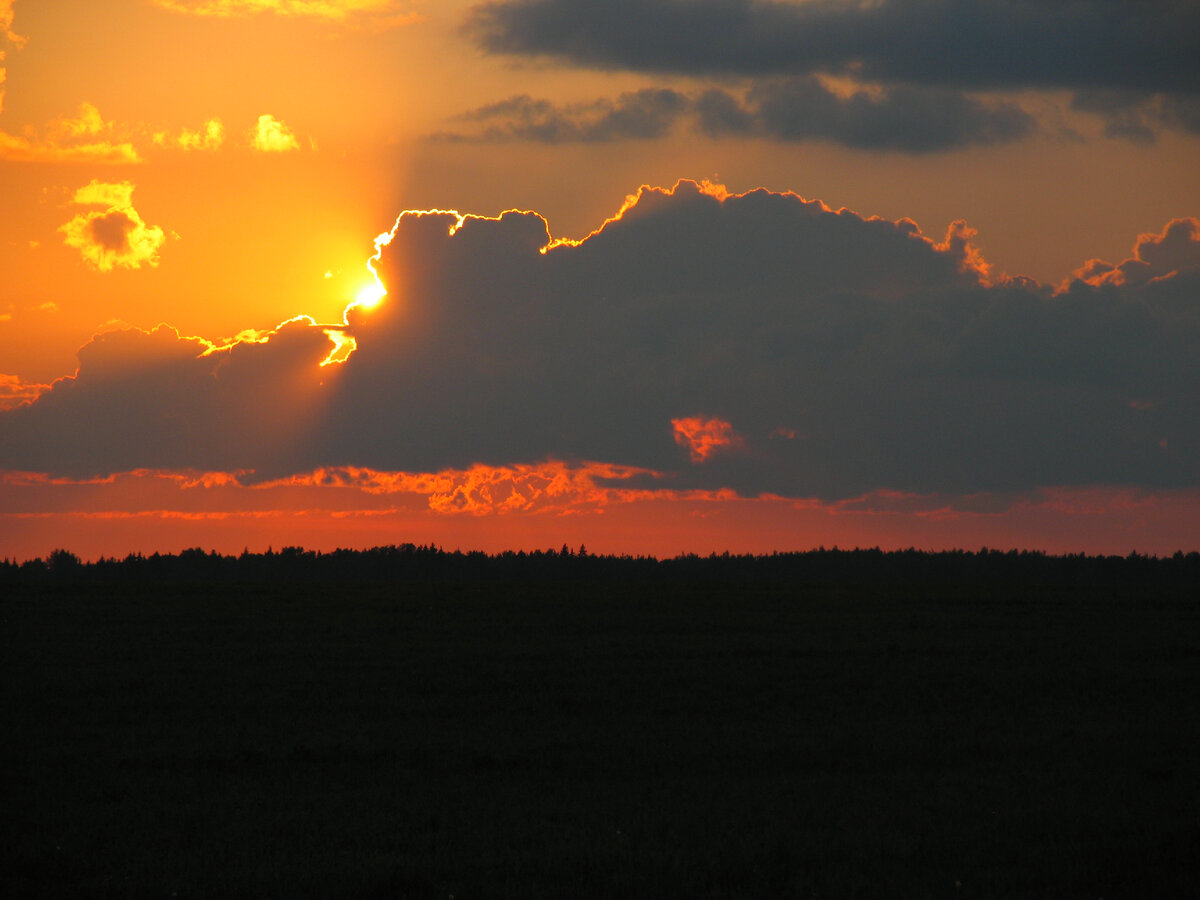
[407, 721]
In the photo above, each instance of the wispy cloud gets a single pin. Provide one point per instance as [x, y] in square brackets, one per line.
[8, 38]
[375, 13]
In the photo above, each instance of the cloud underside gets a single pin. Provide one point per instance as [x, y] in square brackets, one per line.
[1134, 63]
[911, 120]
[758, 343]
[1139, 45]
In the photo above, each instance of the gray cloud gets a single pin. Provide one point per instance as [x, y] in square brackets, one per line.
[817, 354]
[913, 120]
[924, 53]
[1146, 45]
[648, 113]
[1137, 116]
[905, 119]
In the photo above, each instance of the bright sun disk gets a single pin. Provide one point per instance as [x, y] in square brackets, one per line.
[369, 296]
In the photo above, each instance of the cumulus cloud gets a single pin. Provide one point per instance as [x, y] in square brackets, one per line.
[270, 135]
[699, 341]
[1174, 250]
[906, 119]
[111, 234]
[377, 13]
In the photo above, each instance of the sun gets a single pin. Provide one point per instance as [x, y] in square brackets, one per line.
[370, 296]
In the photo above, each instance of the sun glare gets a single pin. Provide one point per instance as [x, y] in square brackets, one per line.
[370, 296]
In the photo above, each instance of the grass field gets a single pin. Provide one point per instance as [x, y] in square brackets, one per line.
[621, 738]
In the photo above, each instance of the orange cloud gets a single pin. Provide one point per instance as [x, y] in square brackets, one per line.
[84, 137]
[549, 486]
[15, 392]
[114, 235]
[1175, 249]
[148, 510]
[378, 13]
[704, 437]
[7, 36]
[270, 135]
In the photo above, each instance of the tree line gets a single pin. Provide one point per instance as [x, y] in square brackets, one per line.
[398, 562]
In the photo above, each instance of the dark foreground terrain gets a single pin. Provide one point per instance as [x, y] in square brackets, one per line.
[417, 724]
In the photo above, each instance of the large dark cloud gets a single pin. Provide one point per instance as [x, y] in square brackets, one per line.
[1147, 45]
[1135, 63]
[911, 120]
[761, 342]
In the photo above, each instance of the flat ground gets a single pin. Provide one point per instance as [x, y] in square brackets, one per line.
[638, 738]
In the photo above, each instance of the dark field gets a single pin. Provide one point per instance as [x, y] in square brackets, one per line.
[576, 732]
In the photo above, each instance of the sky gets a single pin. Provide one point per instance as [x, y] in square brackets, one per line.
[653, 276]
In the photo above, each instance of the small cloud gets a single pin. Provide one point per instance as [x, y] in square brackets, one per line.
[87, 123]
[704, 437]
[49, 306]
[115, 234]
[84, 137]
[272, 136]
[210, 137]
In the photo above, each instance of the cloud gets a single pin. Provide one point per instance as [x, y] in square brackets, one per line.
[705, 437]
[113, 235]
[1148, 45]
[912, 120]
[700, 341]
[270, 135]
[913, 59]
[1159, 256]
[648, 113]
[908, 119]
[83, 138]
[210, 137]
[8, 38]
[15, 392]
[1137, 116]
[87, 137]
[377, 13]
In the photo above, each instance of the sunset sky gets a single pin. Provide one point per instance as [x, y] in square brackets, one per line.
[662, 276]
